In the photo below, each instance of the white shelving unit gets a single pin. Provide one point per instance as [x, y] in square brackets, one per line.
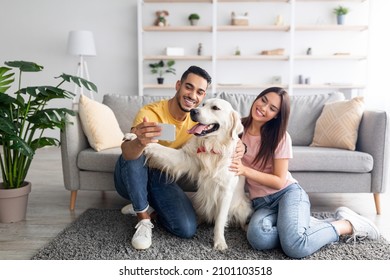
[252, 71]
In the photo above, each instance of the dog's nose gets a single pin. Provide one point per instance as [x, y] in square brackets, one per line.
[194, 114]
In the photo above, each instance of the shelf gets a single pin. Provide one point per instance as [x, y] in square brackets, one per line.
[248, 86]
[331, 27]
[253, 57]
[189, 28]
[178, 1]
[330, 57]
[284, 28]
[328, 86]
[157, 86]
[340, 48]
[264, 1]
[177, 57]
[356, 1]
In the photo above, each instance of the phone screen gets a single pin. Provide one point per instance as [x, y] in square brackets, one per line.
[168, 132]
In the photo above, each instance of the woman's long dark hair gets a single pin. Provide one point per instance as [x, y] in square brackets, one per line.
[274, 130]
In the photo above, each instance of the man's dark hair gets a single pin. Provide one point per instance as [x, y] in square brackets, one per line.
[197, 71]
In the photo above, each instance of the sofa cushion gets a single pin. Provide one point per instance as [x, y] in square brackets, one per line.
[99, 124]
[338, 124]
[126, 107]
[305, 110]
[330, 160]
[103, 161]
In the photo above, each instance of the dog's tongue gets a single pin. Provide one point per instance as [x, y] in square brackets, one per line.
[197, 129]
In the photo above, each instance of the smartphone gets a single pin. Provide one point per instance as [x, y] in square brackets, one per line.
[168, 132]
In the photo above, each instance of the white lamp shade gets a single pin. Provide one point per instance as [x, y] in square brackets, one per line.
[81, 42]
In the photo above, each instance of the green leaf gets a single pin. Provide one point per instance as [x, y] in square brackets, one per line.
[44, 142]
[79, 81]
[170, 63]
[7, 127]
[5, 79]
[24, 66]
[21, 146]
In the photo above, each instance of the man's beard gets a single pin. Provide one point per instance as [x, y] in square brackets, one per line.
[181, 107]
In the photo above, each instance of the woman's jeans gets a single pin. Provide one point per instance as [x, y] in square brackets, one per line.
[283, 220]
[143, 186]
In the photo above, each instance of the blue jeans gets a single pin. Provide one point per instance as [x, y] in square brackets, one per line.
[143, 186]
[283, 220]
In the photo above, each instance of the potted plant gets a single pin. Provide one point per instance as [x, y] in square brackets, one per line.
[193, 18]
[160, 68]
[340, 12]
[24, 117]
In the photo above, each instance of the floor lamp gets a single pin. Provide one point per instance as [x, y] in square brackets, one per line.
[81, 43]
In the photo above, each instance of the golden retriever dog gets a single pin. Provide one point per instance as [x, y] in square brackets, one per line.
[220, 197]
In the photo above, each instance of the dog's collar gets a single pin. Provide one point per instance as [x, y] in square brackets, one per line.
[202, 149]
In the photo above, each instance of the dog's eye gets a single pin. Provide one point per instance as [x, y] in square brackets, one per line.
[215, 108]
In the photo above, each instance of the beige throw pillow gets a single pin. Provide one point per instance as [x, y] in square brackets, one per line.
[99, 124]
[338, 124]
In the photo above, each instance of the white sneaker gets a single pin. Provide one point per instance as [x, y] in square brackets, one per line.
[142, 238]
[362, 227]
[129, 210]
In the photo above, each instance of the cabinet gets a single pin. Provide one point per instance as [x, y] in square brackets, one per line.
[338, 59]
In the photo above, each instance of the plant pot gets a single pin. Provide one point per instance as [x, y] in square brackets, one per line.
[194, 21]
[340, 19]
[160, 81]
[13, 203]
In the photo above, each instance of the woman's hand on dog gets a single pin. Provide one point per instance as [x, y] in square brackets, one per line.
[240, 150]
[237, 167]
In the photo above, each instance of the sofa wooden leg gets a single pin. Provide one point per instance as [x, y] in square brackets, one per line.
[73, 195]
[377, 203]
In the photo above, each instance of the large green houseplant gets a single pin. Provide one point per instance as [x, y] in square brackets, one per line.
[24, 117]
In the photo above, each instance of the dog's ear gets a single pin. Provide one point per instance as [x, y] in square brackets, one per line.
[237, 127]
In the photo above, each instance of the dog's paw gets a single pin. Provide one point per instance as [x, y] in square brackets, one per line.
[151, 148]
[220, 245]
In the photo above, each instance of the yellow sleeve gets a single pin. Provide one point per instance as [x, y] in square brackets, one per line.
[152, 111]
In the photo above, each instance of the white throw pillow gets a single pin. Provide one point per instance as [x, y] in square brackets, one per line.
[338, 124]
[99, 124]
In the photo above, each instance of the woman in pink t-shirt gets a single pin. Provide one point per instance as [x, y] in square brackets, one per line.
[281, 207]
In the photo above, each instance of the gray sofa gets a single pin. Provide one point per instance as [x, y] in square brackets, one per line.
[318, 169]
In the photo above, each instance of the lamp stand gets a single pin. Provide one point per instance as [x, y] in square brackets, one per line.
[82, 72]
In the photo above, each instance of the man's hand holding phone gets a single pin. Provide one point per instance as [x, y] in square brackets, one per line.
[150, 132]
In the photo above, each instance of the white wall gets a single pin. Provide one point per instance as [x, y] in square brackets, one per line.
[37, 31]
[378, 91]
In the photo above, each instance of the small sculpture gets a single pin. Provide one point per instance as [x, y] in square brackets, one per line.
[279, 20]
[200, 49]
[161, 19]
[238, 51]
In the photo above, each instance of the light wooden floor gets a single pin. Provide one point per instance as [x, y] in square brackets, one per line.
[48, 211]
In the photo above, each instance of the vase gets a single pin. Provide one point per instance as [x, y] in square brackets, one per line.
[194, 22]
[160, 80]
[340, 19]
[13, 203]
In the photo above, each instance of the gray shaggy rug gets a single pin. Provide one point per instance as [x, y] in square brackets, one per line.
[105, 234]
